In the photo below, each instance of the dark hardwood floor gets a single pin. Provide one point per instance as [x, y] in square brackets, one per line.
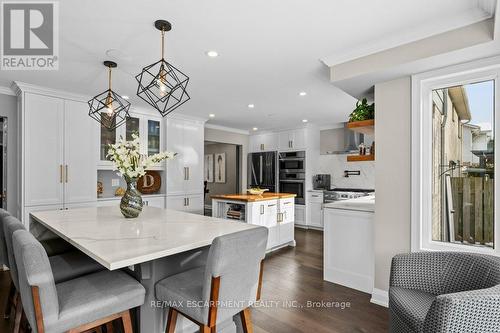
[296, 274]
[292, 277]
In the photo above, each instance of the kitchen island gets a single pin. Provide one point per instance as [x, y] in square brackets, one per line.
[348, 243]
[276, 211]
[157, 244]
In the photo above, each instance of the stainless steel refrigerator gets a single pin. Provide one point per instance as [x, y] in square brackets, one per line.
[263, 170]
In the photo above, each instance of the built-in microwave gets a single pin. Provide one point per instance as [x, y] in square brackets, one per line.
[294, 186]
[292, 161]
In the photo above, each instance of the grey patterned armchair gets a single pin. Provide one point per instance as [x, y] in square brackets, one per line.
[451, 292]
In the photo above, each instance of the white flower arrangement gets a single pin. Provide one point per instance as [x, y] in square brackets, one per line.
[128, 160]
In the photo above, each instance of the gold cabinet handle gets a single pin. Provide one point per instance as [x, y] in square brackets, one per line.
[66, 173]
[60, 173]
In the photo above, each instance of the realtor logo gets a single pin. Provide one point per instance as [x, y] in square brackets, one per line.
[30, 35]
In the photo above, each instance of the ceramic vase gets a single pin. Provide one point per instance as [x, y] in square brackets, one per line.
[131, 203]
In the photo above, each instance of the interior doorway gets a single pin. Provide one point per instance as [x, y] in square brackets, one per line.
[222, 171]
[3, 162]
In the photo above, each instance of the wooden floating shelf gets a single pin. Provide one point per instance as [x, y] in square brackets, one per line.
[360, 158]
[366, 127]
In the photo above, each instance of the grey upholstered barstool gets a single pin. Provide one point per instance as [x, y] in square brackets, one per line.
[3, 246]
[51, 246]
[228, 284]
[72, 306]
[65, 266]
[438, 292]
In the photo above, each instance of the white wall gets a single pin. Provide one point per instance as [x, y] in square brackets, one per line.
[392, 175]
[226, 136]
[231, 184]
[335, 165]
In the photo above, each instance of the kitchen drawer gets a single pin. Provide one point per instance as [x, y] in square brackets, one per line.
[315, 196]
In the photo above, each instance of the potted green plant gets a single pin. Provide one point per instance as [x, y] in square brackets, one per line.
[363, 111]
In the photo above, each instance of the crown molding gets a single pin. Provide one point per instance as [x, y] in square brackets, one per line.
[227, 129]
[7, 91]
[20, 87]
[181, 116]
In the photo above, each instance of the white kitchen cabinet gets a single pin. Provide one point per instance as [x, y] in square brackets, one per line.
[292, 139]
[286, 207]
[176, 202]
[80, 173]
[275, 214]
[185, 171]
[175, 167]
[193, 157]
[43, 150]
[147, 200]
[271, 222]
[158, 202]
[58, 144]
[264, 142]
[265, 213]
[349, 248]
[300, 215]
[286, 218]
[315, 211]
[149, 128]
[195, 204]
[187, 203]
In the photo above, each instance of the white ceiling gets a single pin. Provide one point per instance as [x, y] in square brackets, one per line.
[269, 50]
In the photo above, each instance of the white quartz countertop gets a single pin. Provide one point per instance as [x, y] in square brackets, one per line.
[363, 204]
[116, 242]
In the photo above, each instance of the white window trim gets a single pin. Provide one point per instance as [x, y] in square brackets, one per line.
[421, 154]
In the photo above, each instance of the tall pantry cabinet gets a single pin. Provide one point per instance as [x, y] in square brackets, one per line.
[57, 144]
[185, 136]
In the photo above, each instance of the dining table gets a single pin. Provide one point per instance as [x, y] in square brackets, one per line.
[157, 244]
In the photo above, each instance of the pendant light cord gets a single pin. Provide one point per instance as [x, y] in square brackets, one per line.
[109, 77]
[162, 43]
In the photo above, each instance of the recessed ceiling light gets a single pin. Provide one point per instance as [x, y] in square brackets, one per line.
[125, 97]
[304, 120]
[211, 115]
[255, 128]
[251, 106]
[212, 54]
[302, 93]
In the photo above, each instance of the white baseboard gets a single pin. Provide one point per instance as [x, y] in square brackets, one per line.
[380, 297]
[348, 279]
[307, 227]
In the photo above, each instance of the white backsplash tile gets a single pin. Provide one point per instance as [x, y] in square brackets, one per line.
[335, 165]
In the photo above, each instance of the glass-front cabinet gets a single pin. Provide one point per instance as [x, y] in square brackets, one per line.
[107, 137]
[132, 126]
[148, 127]
[154, 138]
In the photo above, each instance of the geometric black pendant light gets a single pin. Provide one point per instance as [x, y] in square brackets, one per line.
[160, 84]
[109, 108]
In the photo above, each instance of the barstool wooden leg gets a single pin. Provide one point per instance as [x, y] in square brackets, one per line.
[127, 322]
[109, 327]
[204, 329]
[171, 320]
[246, 321]
[10, 301]
[18, 314]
